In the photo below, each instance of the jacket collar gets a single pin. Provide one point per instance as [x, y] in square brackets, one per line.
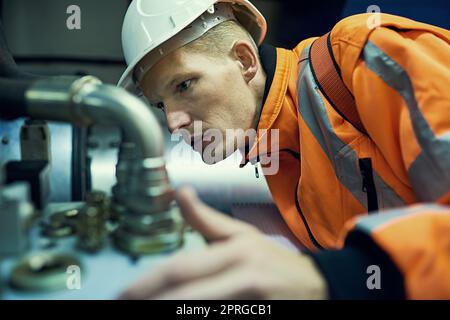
[276, 64]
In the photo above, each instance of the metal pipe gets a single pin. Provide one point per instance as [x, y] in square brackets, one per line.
[147, 220]
[86, 101]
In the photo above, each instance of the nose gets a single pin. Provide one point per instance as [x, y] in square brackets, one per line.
[177, 120]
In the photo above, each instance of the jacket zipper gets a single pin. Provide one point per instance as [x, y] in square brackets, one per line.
[368, 184]
[292, 153]
[299, 210]
[256, 171]
[310, 234]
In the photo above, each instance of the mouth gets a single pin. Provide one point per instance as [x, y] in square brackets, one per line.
[195, 140]
[201, 141]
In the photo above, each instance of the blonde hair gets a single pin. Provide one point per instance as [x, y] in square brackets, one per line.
[218, 41]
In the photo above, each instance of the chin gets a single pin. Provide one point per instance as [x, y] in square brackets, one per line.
[212, 156]
[211, 161]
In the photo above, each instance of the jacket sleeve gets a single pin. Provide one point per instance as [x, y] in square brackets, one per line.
[401, 85]
[408, 247]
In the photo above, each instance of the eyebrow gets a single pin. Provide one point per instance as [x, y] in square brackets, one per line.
[169, 84]
[176, 78]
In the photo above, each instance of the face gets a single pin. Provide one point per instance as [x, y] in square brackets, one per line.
[193, 87]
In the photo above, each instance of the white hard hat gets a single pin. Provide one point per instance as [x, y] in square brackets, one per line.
[170, 24]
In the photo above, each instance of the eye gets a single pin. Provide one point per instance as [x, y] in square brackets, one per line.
[160, 105]
[183, 86]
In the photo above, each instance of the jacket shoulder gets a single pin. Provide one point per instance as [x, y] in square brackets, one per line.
[355, 30]
[350, 35]
[303, 45]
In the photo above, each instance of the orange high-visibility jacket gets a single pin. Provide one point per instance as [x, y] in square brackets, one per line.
[331, 174]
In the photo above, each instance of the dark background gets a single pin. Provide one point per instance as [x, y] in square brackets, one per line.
[37, 34]
[299, 20]
[38, 37]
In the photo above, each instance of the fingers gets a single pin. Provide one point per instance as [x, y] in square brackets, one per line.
[212, 224]
[234, 283]
[183, 269]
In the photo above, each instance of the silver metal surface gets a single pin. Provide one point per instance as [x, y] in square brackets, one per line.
[107, 104]
[142, 186]
[61, 152]
[10, 140]
[221, 185]
[16, 213]
[61, 164]
[103, 144]
[53, 99]
[103, 275]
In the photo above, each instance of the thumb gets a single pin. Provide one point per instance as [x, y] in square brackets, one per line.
[212, 224]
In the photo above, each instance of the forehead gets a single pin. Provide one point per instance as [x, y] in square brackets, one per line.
[177, 62]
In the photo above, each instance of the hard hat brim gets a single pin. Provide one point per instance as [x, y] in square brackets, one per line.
[127, 80]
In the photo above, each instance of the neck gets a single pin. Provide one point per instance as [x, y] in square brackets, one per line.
[258, 84]
[259, 96]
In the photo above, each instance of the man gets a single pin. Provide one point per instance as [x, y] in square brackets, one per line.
[198, 61]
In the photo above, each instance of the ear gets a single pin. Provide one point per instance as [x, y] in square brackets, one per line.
[245, 55]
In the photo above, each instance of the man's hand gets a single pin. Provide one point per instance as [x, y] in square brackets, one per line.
[240, 263]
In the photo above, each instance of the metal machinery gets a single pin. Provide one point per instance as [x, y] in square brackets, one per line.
[139, 218]
[62, 140]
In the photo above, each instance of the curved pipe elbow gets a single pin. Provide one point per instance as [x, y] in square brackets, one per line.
[107, 104]
[86, 101]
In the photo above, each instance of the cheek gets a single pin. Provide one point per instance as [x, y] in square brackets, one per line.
[238, 101]
[221, 99]
[231, 92]
[210, 101]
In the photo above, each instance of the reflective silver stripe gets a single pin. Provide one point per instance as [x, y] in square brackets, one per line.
[304, 55]
[343, 158]
[368, 224]
[426, 179]
[313, 111]
[341, 155]
[430, 172]
[387, 197]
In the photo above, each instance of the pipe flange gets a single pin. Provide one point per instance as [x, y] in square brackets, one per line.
[142, 237]
[136, 245]
[151, 223]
